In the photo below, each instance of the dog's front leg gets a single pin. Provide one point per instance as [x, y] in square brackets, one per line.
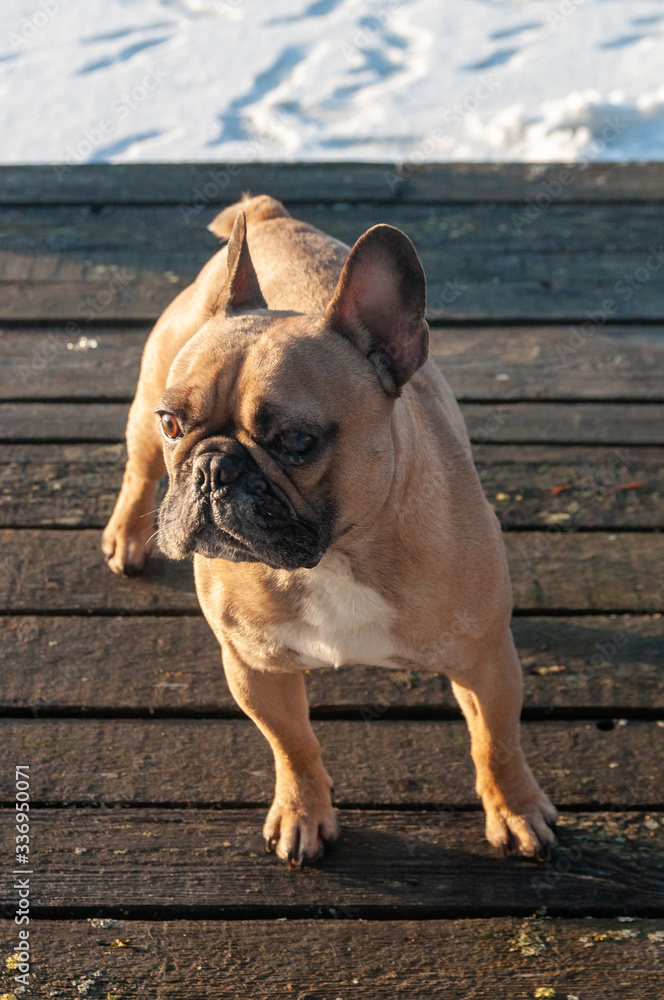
[519, 816]
[301, 820]
[128, 533]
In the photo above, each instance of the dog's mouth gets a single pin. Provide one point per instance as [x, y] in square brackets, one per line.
[247, 520]
[272, 510]
[269, 535]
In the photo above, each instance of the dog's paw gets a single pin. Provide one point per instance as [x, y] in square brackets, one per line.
[301, 822]
[527, 829]
[125, 547]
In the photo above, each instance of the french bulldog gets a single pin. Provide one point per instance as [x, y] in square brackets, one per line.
[321, 476]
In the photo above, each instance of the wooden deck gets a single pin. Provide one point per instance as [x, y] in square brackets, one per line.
[546, 295]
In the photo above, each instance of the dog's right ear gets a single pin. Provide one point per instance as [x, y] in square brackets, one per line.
[379, 305]
[241, 289]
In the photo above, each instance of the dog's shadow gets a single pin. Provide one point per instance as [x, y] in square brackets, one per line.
[427, 870]
[169, 575]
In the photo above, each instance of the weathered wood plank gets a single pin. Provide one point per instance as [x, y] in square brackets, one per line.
[476, 234]
[374, 762]
[76, 485]
[71, 243]
[147, 295]
[205, 959]
[200, 184]
[174, 664]
[500, 423]
[60, 484]
[482, 261]
[451, 269]
[42, 570]
[590, 571]
[394, 864]
[511, 363]
[55, 571]
[79, 362]
[588, 664]
[559, 362]
[104, 422]
[142, 300]
[552, 423]
[573, 487]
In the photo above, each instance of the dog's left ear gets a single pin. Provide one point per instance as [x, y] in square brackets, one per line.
[241, 289]
[379, 305]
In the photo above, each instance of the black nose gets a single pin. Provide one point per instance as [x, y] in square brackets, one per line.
[216, 469]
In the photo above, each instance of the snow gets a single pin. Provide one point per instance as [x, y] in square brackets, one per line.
[310, 80]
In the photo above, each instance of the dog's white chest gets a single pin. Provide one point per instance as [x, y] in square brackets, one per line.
[342, 621]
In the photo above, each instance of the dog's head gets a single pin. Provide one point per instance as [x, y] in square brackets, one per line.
[277, 426]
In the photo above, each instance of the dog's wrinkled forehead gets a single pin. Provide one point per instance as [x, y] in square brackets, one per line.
[207, 368]
[247, 369]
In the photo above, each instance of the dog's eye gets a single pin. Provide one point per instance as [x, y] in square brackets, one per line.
[293, 446]
[170, 426]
